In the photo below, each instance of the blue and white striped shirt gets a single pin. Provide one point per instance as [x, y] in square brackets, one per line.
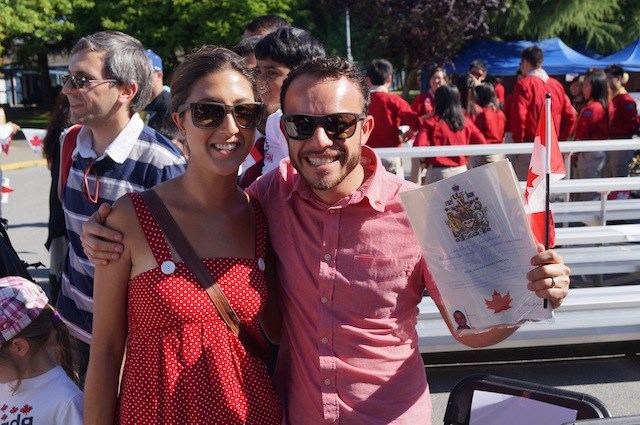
[138, 158]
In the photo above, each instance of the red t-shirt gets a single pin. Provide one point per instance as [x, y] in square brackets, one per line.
[389, 111]
[491, 123]
[423, 104]
[592, 122]
[436, 132]
[499, 89]
[625, 117]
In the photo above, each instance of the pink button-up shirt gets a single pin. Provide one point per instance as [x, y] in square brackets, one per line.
[351, 278]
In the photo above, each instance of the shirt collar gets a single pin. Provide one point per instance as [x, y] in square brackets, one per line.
[118, 150]
[373, 188]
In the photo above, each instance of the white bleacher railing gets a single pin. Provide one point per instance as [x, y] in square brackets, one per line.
[589, 315]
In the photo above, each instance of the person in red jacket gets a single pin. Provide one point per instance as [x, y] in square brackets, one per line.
[528, 101]
[390, 111]
[506, 108]
[490, 121]
[447, 126]
[423, 105]
[624, 124]
[594, 123]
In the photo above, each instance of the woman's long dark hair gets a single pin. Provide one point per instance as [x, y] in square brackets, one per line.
[466, 85]
[448, 107]
[600, 90]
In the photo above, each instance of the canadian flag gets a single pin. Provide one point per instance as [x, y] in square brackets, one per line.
[535, 194]
[6, 135]
[6, 190]
[35, 138]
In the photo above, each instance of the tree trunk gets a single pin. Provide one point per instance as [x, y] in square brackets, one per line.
[46, 90]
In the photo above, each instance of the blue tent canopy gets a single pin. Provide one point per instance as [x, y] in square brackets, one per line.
[628, 58]
[503, 57]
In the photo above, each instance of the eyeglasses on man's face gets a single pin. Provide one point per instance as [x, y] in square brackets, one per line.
[338, 126]
[81, 82]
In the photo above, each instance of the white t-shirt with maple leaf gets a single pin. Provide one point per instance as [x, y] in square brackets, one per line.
[51, 398]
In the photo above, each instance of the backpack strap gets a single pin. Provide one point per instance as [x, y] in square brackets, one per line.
[68, 145]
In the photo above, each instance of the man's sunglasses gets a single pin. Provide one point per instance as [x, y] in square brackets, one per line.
[211, 114]
[81, 82]
[338, 126]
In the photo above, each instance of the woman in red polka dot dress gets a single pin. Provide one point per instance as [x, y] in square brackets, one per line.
[183, 365]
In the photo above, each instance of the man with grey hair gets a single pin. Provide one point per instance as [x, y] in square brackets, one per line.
[109, 82]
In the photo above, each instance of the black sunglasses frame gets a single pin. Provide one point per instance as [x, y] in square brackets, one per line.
[228, 109]
[79, 83]
[323, 121]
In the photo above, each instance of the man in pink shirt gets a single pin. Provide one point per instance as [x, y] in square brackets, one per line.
[351, 272]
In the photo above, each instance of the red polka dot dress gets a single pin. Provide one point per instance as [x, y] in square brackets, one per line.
[183, 365]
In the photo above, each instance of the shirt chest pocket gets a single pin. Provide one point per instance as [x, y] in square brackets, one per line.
[378, 269]
[377, 285]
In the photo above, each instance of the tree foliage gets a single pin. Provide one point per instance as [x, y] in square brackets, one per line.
[604, 26]
[411, 32]
[176, 26]
[32, 29]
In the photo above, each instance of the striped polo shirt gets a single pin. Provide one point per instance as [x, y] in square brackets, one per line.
[138, 158]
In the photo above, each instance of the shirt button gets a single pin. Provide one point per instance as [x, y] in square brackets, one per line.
[324, 300]
[324, 340]
[327, 257]
[327, 381]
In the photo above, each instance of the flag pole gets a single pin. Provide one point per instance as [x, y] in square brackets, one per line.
[547, 171]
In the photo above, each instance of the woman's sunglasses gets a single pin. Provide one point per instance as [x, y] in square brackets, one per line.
[338, 126]
[211, 114]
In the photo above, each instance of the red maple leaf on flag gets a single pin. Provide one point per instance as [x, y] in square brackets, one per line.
[26, 409]
[499, 302]
[35, 141]
[6, 189]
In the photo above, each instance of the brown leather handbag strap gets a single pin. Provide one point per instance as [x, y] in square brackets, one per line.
[191, 259]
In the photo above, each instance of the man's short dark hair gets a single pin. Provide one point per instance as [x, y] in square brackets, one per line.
[333, 67]
[289, 46]
[247, 46]
[268, 23]
[614, 70]
[533, 56]
[478, 64]
[378, 71]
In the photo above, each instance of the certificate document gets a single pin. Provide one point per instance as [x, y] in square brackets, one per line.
[477, 242]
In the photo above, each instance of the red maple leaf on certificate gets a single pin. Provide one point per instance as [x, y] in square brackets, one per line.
[499, 302]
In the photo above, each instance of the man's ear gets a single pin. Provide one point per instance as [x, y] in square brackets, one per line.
[128, 91]
[367, 127]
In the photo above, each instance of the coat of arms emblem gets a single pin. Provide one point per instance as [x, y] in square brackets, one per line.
[466, 216]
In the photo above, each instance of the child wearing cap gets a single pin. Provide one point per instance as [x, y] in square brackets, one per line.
[35, 388]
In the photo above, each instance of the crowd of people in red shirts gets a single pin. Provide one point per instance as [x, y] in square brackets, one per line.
[471, 109]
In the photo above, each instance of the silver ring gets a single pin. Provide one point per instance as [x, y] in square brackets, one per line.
[553, 282]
